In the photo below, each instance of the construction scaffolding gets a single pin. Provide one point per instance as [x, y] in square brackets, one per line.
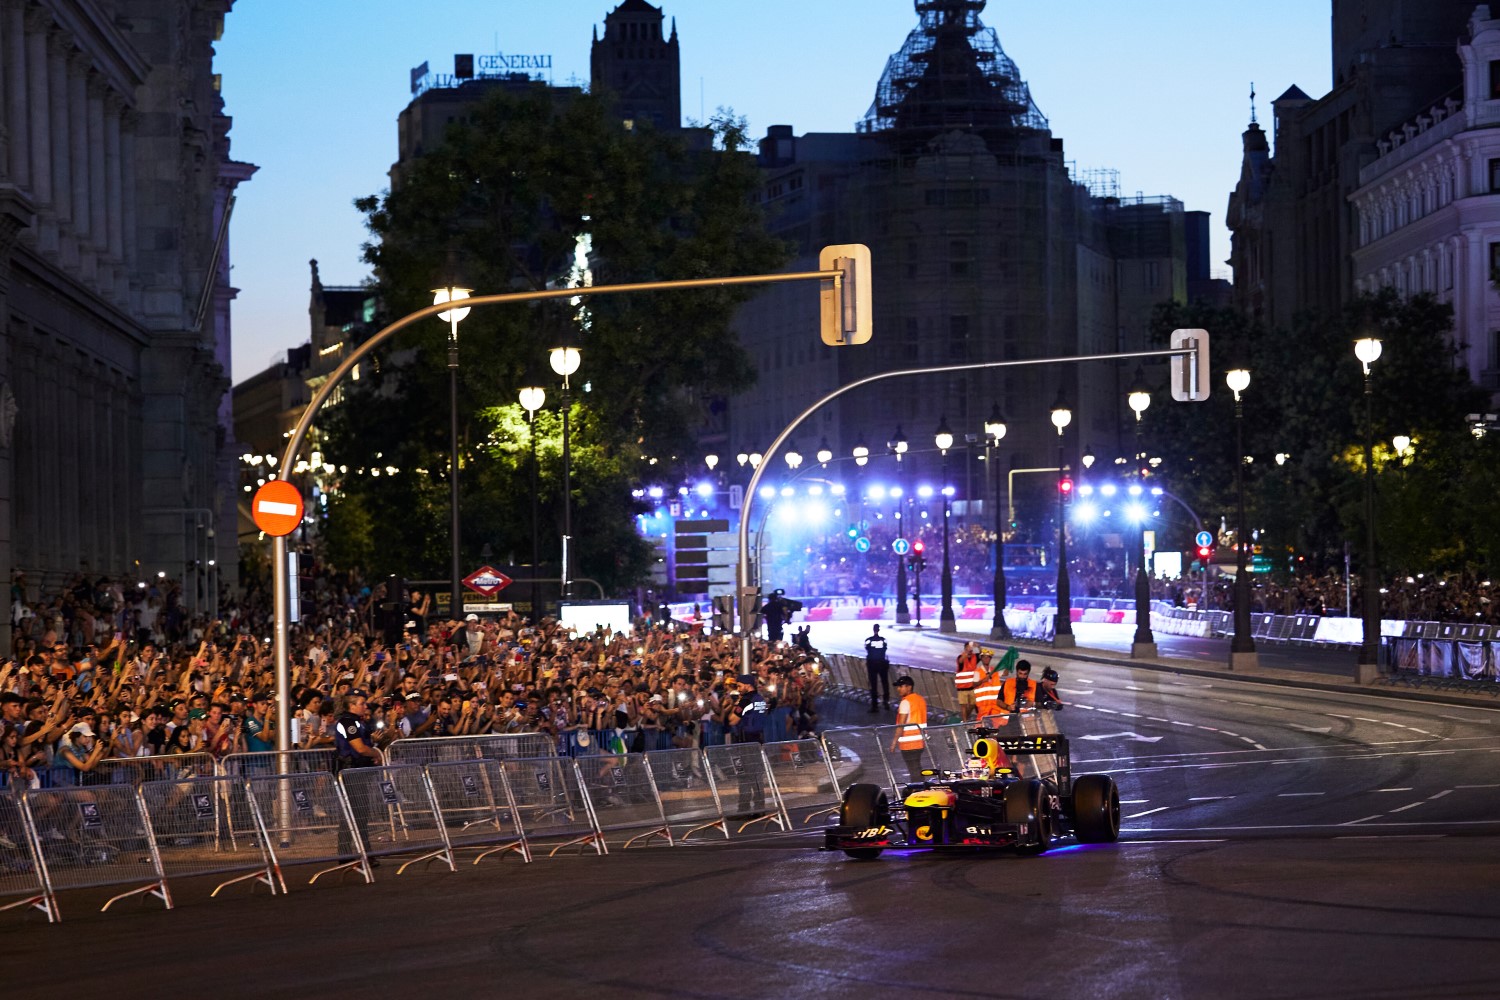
[952, 74]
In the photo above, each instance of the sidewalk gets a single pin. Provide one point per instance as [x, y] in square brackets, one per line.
[1473, 693]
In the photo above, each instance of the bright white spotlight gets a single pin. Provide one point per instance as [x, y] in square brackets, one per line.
[1085, 490]
[837, 489]
[877, 492]
[1085, 513]
[896, 492]
[1135, 489]
[948, 491]
[815, 490]
[767, 492]
[924, 491]
[814, 512]
[1157, 491]
[1135, 512]
[655, 492]
[787, 491]
[1108, 489]
[705, 489]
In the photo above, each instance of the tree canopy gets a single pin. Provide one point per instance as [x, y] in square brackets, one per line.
[534, 189]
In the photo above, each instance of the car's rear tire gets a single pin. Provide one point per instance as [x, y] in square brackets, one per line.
[1096, 809]
[1026, 803]
[864, 807]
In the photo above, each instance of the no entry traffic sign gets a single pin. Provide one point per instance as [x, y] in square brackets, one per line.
[277, 508]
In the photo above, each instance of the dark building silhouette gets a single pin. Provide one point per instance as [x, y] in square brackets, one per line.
[638, 63]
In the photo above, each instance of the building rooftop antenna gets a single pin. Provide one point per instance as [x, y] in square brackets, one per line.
[1252, 102]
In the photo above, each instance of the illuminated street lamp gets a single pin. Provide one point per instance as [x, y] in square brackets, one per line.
[898, 446]
[452, 317]
[712, 461]
[1062, 633]
[994, 432]
[532, 398]
[861, 453]
[946, 620]
[1367, 350]
[793, 457]
[1144, 643]
[825, 453]
[1242, 654]
[565, 360]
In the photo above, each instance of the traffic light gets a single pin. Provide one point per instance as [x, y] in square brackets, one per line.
[852, 531]
[1065, 488]
[918, 548]
[724, 614]
[1205, 552]
[750, 609]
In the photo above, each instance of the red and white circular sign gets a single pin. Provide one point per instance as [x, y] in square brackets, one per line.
[277, 508]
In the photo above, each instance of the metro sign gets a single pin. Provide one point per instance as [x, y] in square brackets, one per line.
[487, 580]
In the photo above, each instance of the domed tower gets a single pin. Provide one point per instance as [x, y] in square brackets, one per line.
[639, 64]
[952, 75]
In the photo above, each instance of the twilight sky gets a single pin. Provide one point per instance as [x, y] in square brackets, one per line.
[1158, 90]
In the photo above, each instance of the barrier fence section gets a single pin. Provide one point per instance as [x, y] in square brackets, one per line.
[395, 811]
[477, 808]
[743, 768]
[278, 762]
[87, 838]
[552, 804]
[804, 777]
[493, 746]
[138, 770]
[20, 875]
[687, 791]
[624, 795]
[192, 828]
[304, 818]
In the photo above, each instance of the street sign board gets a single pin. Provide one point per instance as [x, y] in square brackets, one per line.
[861, 544]
[1203, 538]
[901, 546]
[1190, 373]
[487, 580]
[277, 508]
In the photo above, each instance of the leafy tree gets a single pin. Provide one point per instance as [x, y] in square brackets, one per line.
[532, 189]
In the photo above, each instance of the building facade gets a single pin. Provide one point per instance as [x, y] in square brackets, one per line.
[116, 444]
[1428, 206]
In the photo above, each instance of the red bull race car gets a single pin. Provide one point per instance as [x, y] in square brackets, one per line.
[989, 804]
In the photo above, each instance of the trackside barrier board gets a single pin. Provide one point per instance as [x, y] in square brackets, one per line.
[552, 804]
[477, 808]
[193, 823]
[624, 796]
[805, 782]
[274, 762]
[685, 786]
[305, 819]
[91, 837]
[495, 746]
[20, 875]
[397, 813]
[746, 789]
[138, 770]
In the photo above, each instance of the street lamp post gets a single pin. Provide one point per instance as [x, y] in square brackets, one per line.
[946, 621]
[532, 397]
[898, 447]
[565, 360]
[1242, 654]
[1062, 632]
[1367, 349]
[443, 296]
[1144, 643]
[994, 430]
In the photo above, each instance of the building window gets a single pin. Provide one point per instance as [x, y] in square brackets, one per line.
[958, 254]
[1495, 79]
[1494, 260]
[913, 338]
[958, 337]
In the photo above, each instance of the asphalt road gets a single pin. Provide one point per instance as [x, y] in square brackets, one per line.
[1278, 842]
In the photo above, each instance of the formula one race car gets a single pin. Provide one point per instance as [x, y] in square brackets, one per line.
[988, 804]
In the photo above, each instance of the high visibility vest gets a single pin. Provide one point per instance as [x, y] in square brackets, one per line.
[1008, 692]
[913, 733]
[968, 672]
[987, 694]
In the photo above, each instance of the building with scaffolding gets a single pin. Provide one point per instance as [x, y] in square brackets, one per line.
[986, 245]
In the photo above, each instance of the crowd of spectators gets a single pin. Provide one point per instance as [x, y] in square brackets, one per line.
[109, 669]
[1457, 598]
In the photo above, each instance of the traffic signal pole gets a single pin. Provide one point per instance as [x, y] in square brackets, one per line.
[748, 591]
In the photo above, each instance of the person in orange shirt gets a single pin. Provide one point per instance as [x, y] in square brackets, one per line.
[967, 678]
[1020, 688]
[987, 695]
[911, 727]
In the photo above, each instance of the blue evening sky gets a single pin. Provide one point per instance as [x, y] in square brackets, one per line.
[1156, 89]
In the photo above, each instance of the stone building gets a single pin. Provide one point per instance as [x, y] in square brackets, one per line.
[116, 451]
[985, 246]
[638, 63]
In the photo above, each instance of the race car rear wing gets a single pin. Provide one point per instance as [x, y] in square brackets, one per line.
[1050, 744]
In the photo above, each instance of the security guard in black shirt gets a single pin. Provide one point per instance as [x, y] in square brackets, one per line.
[748, 721]
[354, 747]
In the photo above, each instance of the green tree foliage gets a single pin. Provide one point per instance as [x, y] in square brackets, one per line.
[532, 186]
[1306, 402]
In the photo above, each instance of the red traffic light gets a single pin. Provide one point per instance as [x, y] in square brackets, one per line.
[1204, 551]
[918, 547]
[1065, 486]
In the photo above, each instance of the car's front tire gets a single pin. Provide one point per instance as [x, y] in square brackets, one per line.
[864, 807]
[1025, 802]
[1096, 809]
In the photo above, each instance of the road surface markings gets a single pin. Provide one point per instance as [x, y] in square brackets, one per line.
[1446, 791]
[1209, 798]
[1313, 729]
[1131, 687]
[1391, 789]
[1179, 722]
[1160, 843]
[1299, 795]
[1352, 822]
[1476, 786]
[1155, 719]
[1391, 836]
[1132, 715]
[1148, 812]
[1107, 711]
[1402, 809]
[1405, 824]
[1457, 718]
[1338, 716]
[1134, 802]
[1211, 729]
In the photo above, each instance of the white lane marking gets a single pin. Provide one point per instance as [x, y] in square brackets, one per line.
[1360, 718]
[1228, 733]
[1134, 802]
[1155, 719]
[1459, 718]
[1386, 836]
[1127, 736]
[1132, 715]
[1256, 745]
[1323, 748]
[1151, 843]
[1209, 798]
[1316, 826]
[1148, 812]
[275, 507]
[1083, 680]
[1108, 711]
[1299, 795]
[1391, 789]
[1402, 809]
[1313, 729]
[1446, 791]
[1178, 722]
[1352, 822]
[1131, 687]
[1476, 786]
[1338, 716]
[1210, 729]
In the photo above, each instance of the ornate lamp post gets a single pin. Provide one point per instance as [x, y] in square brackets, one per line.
[565, 360]
[1144, 643]
[946, 621]
[1242, 653]
[994, 431]
[452, 317]
[532, 398]
[1367, 349]
[1062, 633]
[825, 453]
[898, 446]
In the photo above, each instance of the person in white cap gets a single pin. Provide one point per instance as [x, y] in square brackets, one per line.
[81, 751]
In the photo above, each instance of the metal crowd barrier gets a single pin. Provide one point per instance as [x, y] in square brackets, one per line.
[138, 770]
[477, 808]
[190, 824]
[396, 812]
[492, 746]
[87, 838]
[624, 796]
[743, 767]
[20, 875]
[306, 819]
[804, 777]
[551, 803]
[689, 797]
[278, 762]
